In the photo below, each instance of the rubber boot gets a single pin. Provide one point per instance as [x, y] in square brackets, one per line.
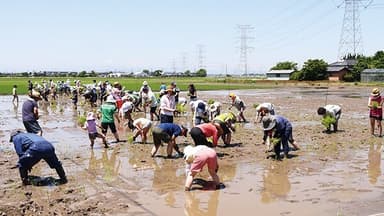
[61, 173]
[24, 176]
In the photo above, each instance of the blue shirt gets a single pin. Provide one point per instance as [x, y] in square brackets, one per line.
[28, 110]
[30, 141]
[282, 124]
[171, 129]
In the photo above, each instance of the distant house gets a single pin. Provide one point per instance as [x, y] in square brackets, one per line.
[337, 70]
[279, 74]
[372, 75]
[141, 74]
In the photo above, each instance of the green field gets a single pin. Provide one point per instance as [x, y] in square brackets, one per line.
[201, 83]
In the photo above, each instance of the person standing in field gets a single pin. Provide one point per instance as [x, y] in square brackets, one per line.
[192, 93]
[167, 106]
[30, 113]
[91, 125]
[108, 112]
[15, 96]
[375, 105]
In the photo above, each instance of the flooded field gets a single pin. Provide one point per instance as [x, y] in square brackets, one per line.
[332, 174]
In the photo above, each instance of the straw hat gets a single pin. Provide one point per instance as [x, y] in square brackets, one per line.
[145, 83]
[375, 92]
[232, 95]
[269, 122]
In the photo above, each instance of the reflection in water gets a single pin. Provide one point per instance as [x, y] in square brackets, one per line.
[166, 180]
[192, 204]
[374, 162]
[15, 109]
[108, 166]
[276, 182]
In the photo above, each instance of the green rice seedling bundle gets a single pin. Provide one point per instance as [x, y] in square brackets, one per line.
[327, 121]
[211, 101]
[81, 119]
[180, 108]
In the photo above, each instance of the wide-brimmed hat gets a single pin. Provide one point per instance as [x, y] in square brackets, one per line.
[110, 99]
[232, 95]
[35, 95]
[269, 122]
[375, 92]
[213, 107]
[91, 116]
[13, 133]
[145, 83]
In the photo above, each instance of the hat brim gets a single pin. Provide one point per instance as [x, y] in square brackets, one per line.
[270, 126]
[377, 94]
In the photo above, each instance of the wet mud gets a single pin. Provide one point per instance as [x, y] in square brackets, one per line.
[332, 174]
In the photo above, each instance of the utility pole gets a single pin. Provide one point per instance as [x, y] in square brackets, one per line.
[244, 48]
[351, 42]
[200, 56]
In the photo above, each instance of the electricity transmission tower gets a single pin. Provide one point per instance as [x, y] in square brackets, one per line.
[244, 48]
[351, 42]
[200, 56]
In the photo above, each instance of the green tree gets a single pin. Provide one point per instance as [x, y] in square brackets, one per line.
[201, 73]
[314, 69]
[82, 74]
[286, 65]
[157, 73]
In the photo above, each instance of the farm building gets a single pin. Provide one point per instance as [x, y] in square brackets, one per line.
[372, 75]
[279, 74]
[337, 70]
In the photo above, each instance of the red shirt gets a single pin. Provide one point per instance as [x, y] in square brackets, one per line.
[209, 130]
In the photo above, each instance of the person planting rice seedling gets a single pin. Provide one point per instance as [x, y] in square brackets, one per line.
[375, 105]
[31, 148]
[195, 159]
[167, 132]
[278, 127]
[262, 110]
[225, 121]
[201, 132]
[141, 128]
[331, 115]
[240, 106]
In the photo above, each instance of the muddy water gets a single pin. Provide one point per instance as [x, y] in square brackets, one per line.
[332, 174]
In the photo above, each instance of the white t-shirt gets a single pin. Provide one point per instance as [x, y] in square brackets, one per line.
[143, 122]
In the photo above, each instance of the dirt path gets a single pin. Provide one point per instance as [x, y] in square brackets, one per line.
[332, 174]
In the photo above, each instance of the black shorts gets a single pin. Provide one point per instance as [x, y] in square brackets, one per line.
[160, 136]
[105, 126]
[153, 109]
[199, 137]
[93, 136]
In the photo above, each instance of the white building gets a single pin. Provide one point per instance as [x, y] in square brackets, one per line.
[279, 74]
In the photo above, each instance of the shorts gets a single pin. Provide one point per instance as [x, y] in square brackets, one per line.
[223, 126]
[160, 136]
[378, 118]
[93, 136]
[32, 127]
[153, 109]
[105, 126]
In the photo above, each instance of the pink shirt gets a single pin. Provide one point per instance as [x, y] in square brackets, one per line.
[209, 130]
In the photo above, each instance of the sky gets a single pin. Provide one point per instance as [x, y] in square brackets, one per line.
[133, 35]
